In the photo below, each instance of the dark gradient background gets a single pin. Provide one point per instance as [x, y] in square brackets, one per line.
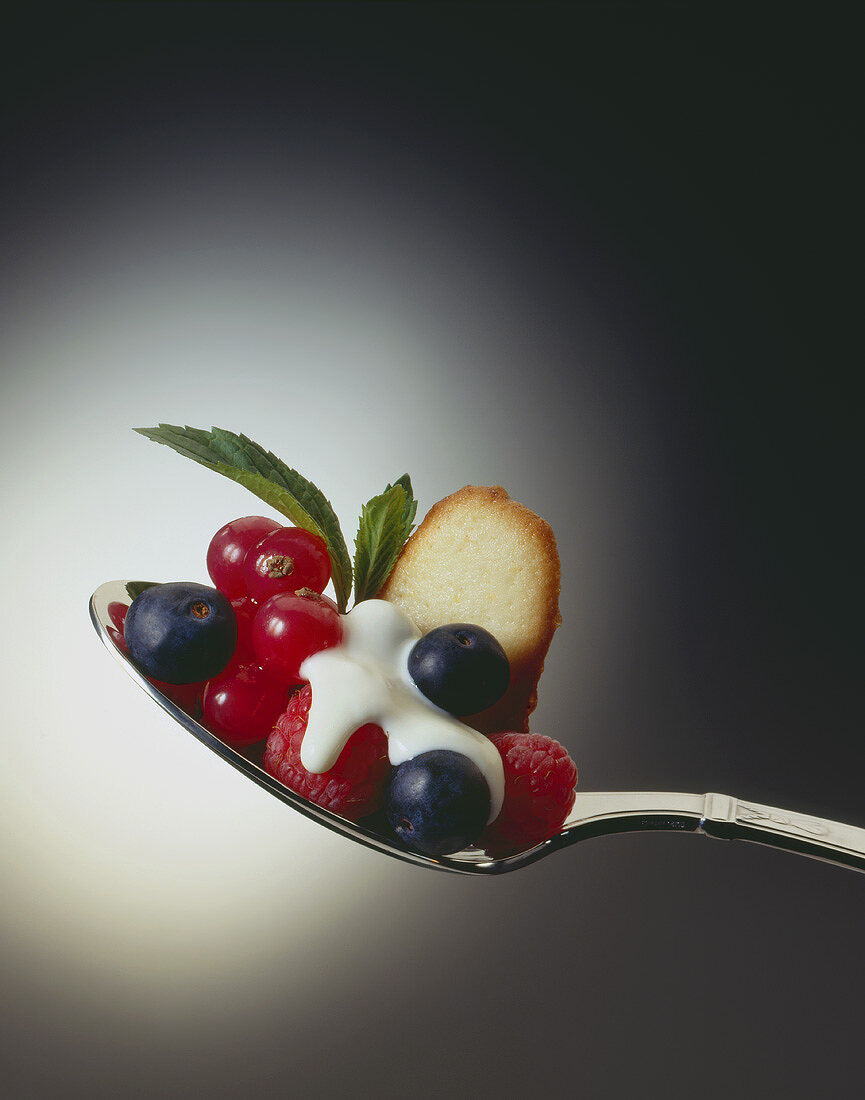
[608, 255]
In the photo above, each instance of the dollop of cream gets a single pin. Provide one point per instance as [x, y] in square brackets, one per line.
[366, 679]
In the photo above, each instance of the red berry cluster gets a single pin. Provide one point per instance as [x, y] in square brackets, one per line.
[274, 577]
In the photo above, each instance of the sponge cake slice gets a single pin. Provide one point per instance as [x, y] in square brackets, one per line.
[480, 557]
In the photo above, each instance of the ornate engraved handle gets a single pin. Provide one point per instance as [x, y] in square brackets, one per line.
[732, 818]
[718, 815]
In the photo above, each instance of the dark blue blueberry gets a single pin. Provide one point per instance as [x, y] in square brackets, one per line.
[438, 802]
[181, 633]
[461, 668]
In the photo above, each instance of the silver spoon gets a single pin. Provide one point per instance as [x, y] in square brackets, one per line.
[593, 814]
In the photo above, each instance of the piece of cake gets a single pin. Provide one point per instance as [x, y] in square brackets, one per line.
[480, 557]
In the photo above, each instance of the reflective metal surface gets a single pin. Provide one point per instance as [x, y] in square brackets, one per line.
[593, 814]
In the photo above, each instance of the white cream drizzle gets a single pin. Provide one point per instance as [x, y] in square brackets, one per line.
[366, 679]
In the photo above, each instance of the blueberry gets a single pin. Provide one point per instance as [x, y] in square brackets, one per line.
[438, 802]
[461, 668]
[180, 633]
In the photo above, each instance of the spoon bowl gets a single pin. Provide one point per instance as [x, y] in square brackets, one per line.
[593, 813]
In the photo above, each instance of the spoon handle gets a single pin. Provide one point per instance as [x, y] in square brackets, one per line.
[738, 819]
[716, 815]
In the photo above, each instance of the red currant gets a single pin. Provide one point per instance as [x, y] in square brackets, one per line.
[284, 561]
[290, 627]
[244, 612]
[228, 548]
[185, 696]
[242, 706]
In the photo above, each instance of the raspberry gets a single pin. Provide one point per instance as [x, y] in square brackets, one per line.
[539, 791]
[353, 787]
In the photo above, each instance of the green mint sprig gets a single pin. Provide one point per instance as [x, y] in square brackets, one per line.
[242, 460]
[386, 521]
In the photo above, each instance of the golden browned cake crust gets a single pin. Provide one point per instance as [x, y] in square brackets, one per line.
[480, 557]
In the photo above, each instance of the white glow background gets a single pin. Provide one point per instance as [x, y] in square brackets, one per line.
[355, 333]
[337, 292]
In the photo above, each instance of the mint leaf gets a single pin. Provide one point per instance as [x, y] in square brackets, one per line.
[135, 588]
[386, 522]
[260, 471]
[410, 509]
